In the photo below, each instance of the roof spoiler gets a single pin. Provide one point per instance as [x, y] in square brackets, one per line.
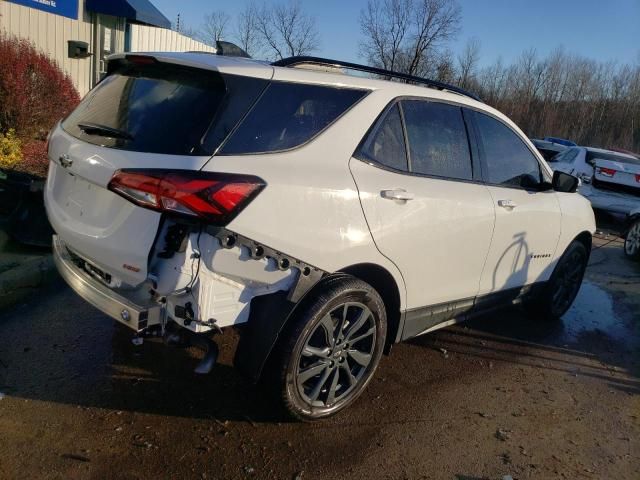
[229, 49]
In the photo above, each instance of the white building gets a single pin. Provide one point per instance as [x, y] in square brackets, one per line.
[78, 34]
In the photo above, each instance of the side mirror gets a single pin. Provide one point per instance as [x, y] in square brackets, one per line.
[563, 182]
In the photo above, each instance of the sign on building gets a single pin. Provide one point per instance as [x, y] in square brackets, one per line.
[66, 8]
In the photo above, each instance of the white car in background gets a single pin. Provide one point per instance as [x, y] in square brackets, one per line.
[324, 215]
[610, 180]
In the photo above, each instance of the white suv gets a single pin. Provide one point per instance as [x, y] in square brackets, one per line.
[325, 215]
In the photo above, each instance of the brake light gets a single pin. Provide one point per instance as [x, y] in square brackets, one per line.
[638, 178]
[214, 197]
[141, 59]
[607, 172]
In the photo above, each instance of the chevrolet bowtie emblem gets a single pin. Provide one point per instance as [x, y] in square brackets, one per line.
[65, 161]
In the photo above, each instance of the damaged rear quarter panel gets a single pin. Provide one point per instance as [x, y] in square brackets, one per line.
[310, 208]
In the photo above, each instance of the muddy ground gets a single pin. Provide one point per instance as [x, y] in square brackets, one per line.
[504, 395]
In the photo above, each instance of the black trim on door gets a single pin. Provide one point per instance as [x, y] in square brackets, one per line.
[416, 321]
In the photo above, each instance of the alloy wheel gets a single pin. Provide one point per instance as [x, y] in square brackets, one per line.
[336, 355]
[632, 242]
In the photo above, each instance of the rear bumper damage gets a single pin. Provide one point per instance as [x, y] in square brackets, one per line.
[214, 280]
[133, 315]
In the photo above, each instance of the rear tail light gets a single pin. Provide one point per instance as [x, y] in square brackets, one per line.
[638, 178]
[214, 197]
[607, 172]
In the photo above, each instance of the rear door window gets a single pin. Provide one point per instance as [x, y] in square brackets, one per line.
[438, 143]
[567, 156]
[508, 161]
[288, 115]
[385, 143]
[162, 108]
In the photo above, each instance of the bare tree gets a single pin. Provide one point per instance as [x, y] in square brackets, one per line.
[468, 63]
[246, 33]
[214, 27]
[286, 30]
[406, 35]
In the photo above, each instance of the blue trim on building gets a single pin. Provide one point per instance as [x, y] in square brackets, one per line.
[140, 11]
[65, 8]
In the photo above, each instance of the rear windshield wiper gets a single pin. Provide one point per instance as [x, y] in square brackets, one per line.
[104, 131]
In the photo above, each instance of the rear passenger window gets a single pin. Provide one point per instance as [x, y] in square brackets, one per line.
[507, 158]
[437, 136]
[567, 156]
[385, 144]
[288, 115]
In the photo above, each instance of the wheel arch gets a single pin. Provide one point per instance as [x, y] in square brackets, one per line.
[385, 284]
[585, 238]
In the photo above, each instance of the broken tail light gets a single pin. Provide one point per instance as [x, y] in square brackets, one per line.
[214, 197]
[607, 172]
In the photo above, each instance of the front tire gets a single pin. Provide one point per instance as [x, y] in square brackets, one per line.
[632, 240]
[563, 286]
[331, 348]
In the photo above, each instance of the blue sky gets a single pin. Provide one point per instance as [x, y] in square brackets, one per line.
[600, 29]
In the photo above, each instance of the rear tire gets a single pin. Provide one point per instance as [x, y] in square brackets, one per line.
[563, 286]
[330, 348]
[632, 240]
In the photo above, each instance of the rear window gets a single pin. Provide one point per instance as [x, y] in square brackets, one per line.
[288, 115]
[162, 108]
[592, 156]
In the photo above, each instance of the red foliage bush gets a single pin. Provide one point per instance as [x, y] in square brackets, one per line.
[34, 94]
[34, 159]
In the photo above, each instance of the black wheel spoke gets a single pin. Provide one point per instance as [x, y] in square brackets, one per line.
[329, 328]
[313, 396]
[310, 351]
[366, 334]
[350, 376]
[360, 357]
[358, 324]
[331, 397]
[311, 372]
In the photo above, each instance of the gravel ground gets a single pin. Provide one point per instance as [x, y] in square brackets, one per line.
[503, 395]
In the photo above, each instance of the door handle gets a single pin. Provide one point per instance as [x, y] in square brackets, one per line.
[508, 204]
[397, 194]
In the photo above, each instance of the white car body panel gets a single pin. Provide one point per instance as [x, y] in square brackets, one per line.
[524, 239]
[439, 240]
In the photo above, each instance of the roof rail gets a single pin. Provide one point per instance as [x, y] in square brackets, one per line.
[306, 60]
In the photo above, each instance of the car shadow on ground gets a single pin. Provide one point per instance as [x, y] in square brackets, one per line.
[596, 338]
[57, 349]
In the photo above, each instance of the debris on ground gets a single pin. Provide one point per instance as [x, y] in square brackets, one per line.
[502, 434]
[445, 354]
[73, 456]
